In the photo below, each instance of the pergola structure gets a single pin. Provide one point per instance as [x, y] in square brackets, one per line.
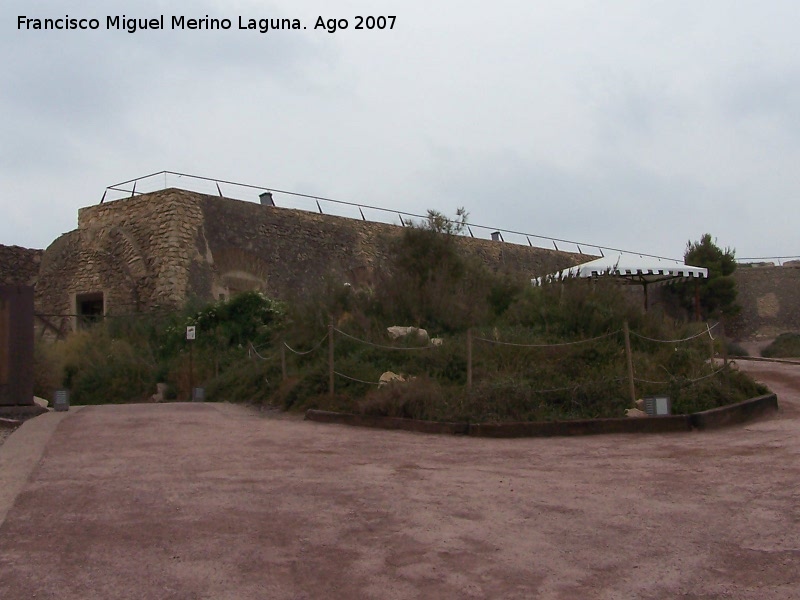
[631, 269]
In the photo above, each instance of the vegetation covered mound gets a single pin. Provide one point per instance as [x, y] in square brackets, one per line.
[786, 345]
[557, 351]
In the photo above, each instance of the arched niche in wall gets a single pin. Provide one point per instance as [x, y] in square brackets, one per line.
[238, 271]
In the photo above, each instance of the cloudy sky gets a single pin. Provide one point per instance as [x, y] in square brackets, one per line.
[631, 123]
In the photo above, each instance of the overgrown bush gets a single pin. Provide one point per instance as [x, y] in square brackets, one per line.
[429, 282]
[47, 370]
[100, 369]
[786, 345]
[735, 349]
[420, 398]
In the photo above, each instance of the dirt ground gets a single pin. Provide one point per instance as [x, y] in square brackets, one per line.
[4, 433]
[185, 501]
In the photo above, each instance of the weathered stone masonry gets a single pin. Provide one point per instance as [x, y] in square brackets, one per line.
[155, 250]
[19, 266]
[770, 301]
[158, 249]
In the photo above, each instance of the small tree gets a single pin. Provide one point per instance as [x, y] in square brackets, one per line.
[716, 293]
[430, 282]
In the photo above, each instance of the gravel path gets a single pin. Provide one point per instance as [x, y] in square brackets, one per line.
[184, 501]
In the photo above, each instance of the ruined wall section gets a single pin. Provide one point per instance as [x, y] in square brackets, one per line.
[19, 266]
[137, 252]
[293, 251]
[770, 301]
[156, 250]
[59, 268]
[149, 243]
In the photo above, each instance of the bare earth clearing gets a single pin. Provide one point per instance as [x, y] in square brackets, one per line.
[188, 501]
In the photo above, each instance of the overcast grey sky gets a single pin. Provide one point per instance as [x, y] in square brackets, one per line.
[631, 123]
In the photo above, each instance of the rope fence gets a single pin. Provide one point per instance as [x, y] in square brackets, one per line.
[343, 376]
[678, 341]
[365, 342]
[558, 345]
[683, 381]
[251, 351]
[632, 378]
[307, 352]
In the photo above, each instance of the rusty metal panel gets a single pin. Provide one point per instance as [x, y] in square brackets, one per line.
[16, 345]
[5, 350]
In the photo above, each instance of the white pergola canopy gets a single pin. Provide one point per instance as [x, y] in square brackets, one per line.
[632, 268]
[640, 269]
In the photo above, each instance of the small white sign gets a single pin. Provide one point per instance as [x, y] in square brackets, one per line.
[190, 332]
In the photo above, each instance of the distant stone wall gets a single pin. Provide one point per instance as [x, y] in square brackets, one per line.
[293, 251]
[770, 301]
[158, 249]
[19, 266]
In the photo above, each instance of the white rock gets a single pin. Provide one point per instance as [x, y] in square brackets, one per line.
[389, 377]
[161, 390]
[635, 412]
[396, 332]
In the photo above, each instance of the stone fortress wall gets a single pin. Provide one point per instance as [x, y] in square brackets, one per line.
[770, 301]
[156, 250]
[19, 266]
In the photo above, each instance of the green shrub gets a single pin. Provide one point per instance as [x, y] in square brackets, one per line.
[248, 381]
[735, 349]
[786, 345]
[47, 370]
[419, 398]
[99, 369]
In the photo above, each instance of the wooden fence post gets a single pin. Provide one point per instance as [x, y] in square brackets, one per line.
[330, 360]
[711, 343]
[469, 358]
[283, 360]
[630, 361]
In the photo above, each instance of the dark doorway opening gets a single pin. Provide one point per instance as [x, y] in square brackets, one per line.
[90, 308]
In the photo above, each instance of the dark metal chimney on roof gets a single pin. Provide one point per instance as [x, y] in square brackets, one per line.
[497, 236]
[266, 199]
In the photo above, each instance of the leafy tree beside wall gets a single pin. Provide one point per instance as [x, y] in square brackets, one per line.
[717, 293]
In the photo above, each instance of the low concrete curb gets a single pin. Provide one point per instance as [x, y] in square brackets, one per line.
[784, 361]
[583, 427]
[324, 416]
[22, 412]
[710, 419]
[735, 413]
